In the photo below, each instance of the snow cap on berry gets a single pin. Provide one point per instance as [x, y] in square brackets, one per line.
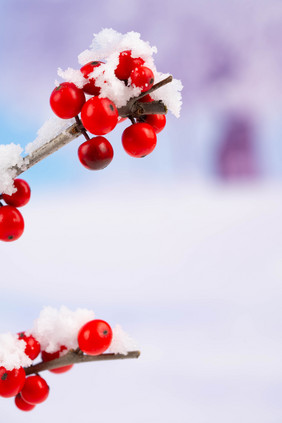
[55, 328]
[121, 343]
[72, 75]
[12, 355]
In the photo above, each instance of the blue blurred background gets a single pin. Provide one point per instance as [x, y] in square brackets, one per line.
[183, 248]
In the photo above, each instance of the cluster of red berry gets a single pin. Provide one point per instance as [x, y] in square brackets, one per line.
[100, 115]
[11, 220]
[94, 338]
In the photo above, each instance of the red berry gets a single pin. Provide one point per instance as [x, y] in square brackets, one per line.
[126, 65]
[138, 61]
[90, 87]
[142, 77]
[22, 404]
[11, 223]
[32, 348]
[52, 356]
[139, 139]
[67, 100]
[99, 115]
[35, 390]
[156, 121]
[96, 154]
[21, 197]
[95, 337]
[11, 381]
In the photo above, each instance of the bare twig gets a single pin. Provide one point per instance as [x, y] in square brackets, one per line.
[74, 357]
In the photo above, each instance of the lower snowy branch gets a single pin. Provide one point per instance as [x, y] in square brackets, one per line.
[74, 357]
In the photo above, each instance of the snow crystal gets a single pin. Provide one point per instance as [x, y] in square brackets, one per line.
[109, 41]
[170, 93]
[10, 156]
[12, 355]
[121, 343]
[49, 130]
[72, 75]
[55, 328]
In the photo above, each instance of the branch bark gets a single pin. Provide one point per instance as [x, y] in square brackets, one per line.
[74, 357]
[133, 109]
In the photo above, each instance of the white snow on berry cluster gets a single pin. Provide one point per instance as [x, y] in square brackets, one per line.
[106, 46]
[12, 355]
[52, 329]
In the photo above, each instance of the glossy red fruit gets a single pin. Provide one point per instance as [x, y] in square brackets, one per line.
[67, 100]
[11, 223]
[21, 197]
[35, 390]
[126, 65]
[96, 153]
[52, 356]
[99, 115]
[22, 404]
[139, 139]
[138, 61]
[142, 77]
[11, 381]
[158, 122]
[90, 87]
[32, 348]
[95, 337]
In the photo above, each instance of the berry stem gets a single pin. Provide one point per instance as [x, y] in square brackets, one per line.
[131, 118]
[75, 357]
[81, 128]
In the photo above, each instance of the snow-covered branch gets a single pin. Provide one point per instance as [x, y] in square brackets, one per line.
[133, 108]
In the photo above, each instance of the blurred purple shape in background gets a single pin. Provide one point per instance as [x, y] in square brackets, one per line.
[236, 155]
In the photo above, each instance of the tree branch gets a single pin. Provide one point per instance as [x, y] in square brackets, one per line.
[132, 109]
[154, 107]
[74, 357]
[49, 148]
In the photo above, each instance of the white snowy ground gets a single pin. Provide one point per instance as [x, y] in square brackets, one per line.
[193, 273]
